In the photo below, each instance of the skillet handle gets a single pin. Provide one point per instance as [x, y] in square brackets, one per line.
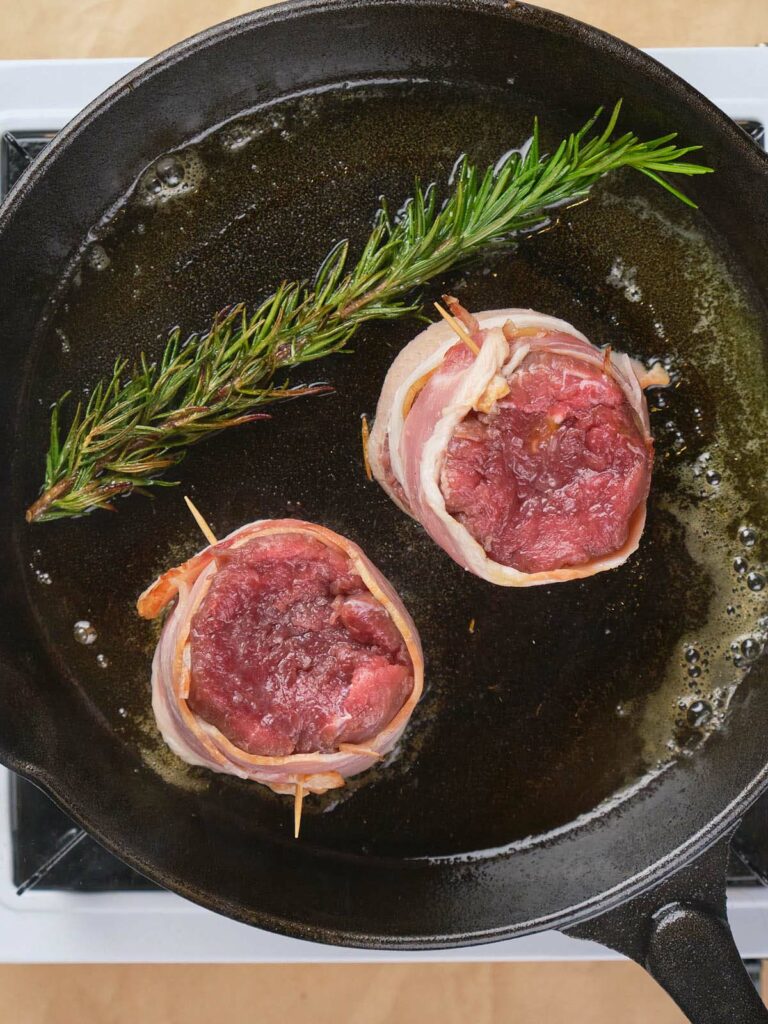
[679, 933]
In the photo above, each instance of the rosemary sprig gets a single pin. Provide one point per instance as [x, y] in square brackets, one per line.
[138, 424]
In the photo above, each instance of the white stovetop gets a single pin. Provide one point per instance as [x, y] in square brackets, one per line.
[160, 927]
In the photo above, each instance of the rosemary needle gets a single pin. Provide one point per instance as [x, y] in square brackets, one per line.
[139, 423]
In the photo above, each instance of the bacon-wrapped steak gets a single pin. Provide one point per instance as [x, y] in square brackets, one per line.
[530, 461]
[287, 658]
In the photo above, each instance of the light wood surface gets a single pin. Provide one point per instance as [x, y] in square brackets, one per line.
[408, 994]
[127, 28]
[413, 994]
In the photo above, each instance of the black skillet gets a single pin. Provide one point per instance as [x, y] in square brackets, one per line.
[547, 720]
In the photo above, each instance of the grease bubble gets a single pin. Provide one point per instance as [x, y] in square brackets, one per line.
[698, 714]
[85, 632]
[751, 648]
[170, 171]
[755, 581]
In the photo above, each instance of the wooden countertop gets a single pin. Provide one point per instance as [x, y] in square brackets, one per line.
[126, 28]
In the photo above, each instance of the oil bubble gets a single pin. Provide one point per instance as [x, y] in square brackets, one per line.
[740, 565]
[84, 632]
[679, 444]
[747, 536]
[43, 577]
[622, 711]
[712, 477]
[691, 655]
[170, 171]
[698, 714]
[755, 581]
[98, 258]
[659, 401]
[102, 661]
[171, 176]
[694, 671]
[751, 648]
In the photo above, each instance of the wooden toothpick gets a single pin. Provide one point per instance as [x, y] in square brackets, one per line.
[297, 805]
[366, 433]
[459, 328]
[205, 528]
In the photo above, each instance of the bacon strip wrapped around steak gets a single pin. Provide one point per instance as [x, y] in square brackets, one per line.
[528, 461]
[287, 658]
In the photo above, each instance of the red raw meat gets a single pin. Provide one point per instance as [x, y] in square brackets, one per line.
[553, 475]
[291, 653]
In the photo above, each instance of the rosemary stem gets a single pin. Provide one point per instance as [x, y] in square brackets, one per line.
[138, 424]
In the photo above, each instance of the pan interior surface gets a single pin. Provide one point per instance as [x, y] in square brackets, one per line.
[559, 697]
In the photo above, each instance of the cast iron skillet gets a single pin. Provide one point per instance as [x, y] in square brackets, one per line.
[518, 735]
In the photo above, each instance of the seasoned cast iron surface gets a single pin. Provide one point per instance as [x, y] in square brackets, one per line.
[562, 695]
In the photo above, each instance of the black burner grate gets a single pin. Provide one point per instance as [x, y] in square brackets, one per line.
[755, 130]
[18, 151]
[51, 852]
